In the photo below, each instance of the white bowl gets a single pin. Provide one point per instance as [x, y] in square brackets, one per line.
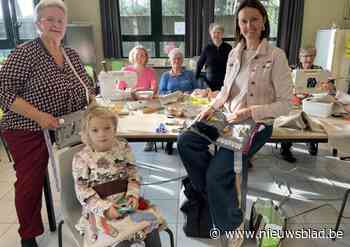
[144, 94]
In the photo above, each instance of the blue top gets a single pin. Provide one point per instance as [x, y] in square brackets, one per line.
[184, 82]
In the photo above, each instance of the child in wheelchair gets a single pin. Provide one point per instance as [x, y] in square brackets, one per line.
[107, 185]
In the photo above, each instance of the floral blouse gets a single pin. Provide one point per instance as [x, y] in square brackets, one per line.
[92, 168]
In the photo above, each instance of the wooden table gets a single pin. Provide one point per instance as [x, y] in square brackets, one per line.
[138, 127]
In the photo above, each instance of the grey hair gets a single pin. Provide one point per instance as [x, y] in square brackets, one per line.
[43, 4]
[216, 26]
[174, 52]
[308, 50]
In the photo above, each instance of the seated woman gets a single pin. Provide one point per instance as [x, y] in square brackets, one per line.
[177, 79]
[257, 86]
[111, 214]
[146, 77]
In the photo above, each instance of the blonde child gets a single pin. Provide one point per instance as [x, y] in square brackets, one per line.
[119, 218]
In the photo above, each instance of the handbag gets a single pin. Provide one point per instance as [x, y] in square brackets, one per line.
[218, 131]
[68, 133]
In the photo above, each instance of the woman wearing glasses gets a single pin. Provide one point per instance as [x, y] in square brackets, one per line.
[37, 86]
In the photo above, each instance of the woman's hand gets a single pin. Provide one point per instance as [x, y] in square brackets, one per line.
[240, 115]
[133, 202]
[205, 114]
[46, 120]
[112, 213]
[213, 94]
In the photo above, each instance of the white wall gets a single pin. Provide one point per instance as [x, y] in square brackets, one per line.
[321, 14]
[88, 11]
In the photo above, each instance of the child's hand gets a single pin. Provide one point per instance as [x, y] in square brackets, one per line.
[133, 202]
[112, 213]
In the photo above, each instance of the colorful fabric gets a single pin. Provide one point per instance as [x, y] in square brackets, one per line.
[92, 168]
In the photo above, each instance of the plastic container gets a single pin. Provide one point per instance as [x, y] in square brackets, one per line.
[108, 84]
[317, 109]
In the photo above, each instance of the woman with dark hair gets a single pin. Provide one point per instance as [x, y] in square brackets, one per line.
[257, 86]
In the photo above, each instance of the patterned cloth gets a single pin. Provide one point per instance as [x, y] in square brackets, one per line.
[31, 73]
[92, 168]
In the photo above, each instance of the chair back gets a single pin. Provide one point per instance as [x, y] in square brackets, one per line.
[70, 206]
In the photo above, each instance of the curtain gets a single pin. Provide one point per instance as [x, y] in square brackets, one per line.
[198, 16]
[290, 27]
[111, 30]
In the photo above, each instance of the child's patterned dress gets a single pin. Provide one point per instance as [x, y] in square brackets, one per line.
[92, 168]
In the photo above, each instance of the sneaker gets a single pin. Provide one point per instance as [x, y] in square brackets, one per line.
[287, 155]
[29, 242]
[148, 146]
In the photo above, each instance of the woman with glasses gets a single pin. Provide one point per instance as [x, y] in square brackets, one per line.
[37, 86]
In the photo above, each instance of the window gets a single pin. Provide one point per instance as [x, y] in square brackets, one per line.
[224, 14]
[135, 17]
[158, 25]
[3, 35]
[16, 23]
[25, 19]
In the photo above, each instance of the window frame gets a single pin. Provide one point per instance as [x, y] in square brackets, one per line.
[11, 25]
[156, 35]
[234, 39]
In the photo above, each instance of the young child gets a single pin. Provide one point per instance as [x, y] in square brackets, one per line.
[120, 218]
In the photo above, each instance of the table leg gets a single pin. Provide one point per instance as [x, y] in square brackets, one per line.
[341, 212]
[49, 204]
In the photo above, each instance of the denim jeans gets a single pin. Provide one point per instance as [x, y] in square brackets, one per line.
[214, 176]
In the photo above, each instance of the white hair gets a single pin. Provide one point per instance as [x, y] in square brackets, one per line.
[216, 27]
[174, 52]
[43, 4]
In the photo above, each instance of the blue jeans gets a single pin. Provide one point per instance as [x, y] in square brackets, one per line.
[214, 176]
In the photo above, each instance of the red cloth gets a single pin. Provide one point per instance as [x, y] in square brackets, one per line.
[29, 152]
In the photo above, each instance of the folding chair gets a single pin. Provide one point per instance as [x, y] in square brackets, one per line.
[70, 206]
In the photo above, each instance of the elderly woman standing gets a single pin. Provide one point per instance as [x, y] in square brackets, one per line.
[37, 86]
[257, 86]
[214, 57]
[177, 79]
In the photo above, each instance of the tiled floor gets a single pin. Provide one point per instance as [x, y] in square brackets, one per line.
[313, 181]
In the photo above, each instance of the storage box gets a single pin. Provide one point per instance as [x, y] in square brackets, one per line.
[317, 109]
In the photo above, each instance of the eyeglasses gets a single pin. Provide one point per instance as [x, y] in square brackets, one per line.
[53, 20]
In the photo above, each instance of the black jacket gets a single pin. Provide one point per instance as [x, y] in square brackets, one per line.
[215, 59]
